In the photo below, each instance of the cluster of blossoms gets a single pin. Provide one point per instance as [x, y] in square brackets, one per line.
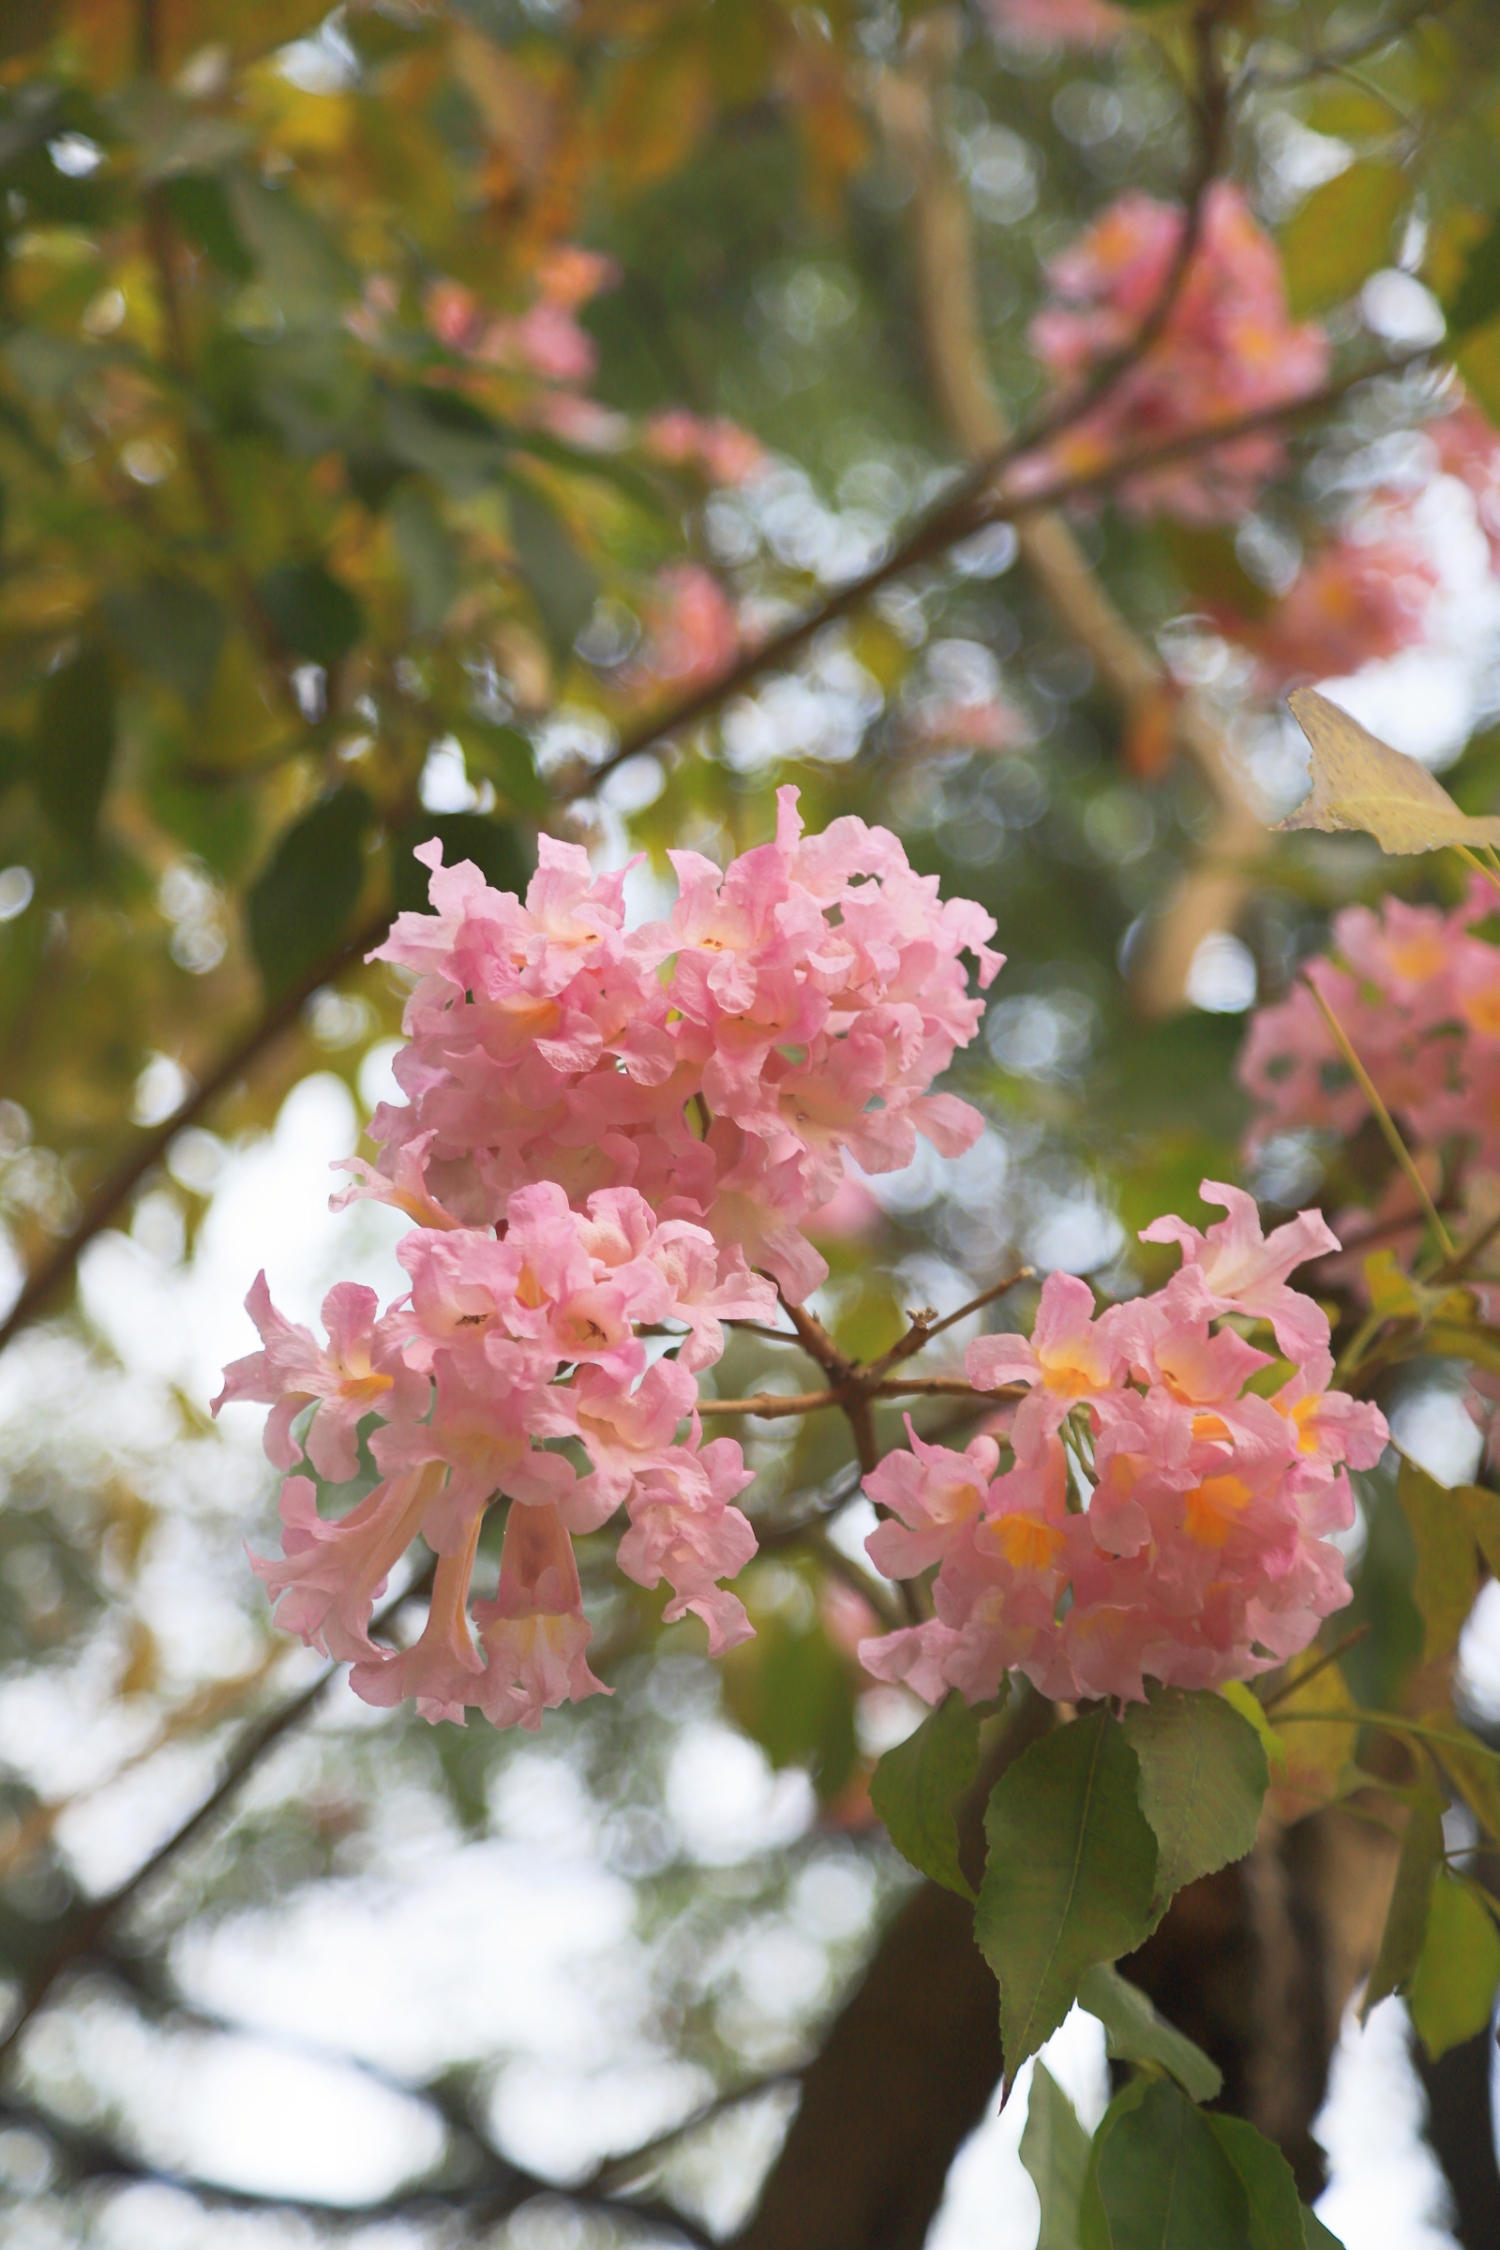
[1227, 348]
[1418, 992]
[721, 1062]
[506, 1341]
[601, 1125]
[1160, 1519]
[1353, 601]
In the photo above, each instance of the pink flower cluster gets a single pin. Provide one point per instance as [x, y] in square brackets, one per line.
[546, 340]
[722, 1062]
[1160, 1519]
[600, 1125]
[505, 1345]
[1353, 601]
[1227, 348]
[718, 448]
[1418, 993]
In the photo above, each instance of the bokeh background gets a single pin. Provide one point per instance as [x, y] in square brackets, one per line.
[401, 409]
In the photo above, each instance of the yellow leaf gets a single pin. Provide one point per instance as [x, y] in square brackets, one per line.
[1359, 782]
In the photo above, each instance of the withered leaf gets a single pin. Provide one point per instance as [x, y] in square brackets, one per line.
[1359, 782]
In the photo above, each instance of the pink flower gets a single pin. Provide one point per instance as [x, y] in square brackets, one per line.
[682, 1529]
[1244, 1271]
[695, 633]
[1468, 448]
[360, 1373]
[723, 452]
[534, 1633]
[1354, 601]
[1070, 1357]
[1227, 348]
[1057, 23]
[1161, 1520]
[332, 1574]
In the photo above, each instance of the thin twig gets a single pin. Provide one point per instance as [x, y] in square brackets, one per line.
[1329, 1656]
[923, 1328]
[1383, 1118]
[946, 528]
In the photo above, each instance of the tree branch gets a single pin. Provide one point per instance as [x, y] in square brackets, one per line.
[971, 510]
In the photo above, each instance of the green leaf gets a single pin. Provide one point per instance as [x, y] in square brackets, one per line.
[201, 208]
[428, 556]
[789, 1689]
[1406, 1917]
[1482, 1507]
[74, 742]
[1476, 298]
[1134, 2032]
[1160, 2178]
[1070, 1876]
[1315, 2235]
[1055, 2151]
[1447, 1577]
[495, 849]
[300, 905]
[313, 614]
[561, 583]
[1452, 1990]
[916, 1786]
[1213, 570]
[446, 437]
[298, 263]
[171, 628]
[1244, 1699]
[1340, 235]
[1203, 1778]
[1266, 2177]
[504, 756]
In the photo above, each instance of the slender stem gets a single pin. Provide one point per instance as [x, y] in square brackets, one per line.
[1489, 873]
[1329, 1656]
[1383, 1118]
[923, 1328]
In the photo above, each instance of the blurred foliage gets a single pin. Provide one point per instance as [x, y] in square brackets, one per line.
[333, 518]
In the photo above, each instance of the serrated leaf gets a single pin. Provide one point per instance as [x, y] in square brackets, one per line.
[172, 628]
[916, 1786]
[1055, 2151]
[1406, 1917]
[1340, 235]
[1447, 1577]
[1070, 1875]
[1204, 1778]
[1160, 2178]
[300, 906]
[501, 856]
[1134, 2032]
[313, 614]
[1266, 2177]
[1452, 1991]
[1476, 298]
[561, 582]
[74, 741]
[1360, 782]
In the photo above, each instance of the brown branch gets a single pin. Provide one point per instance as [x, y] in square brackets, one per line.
[926, 1325]
[81, 1936]
[50, 1273]
[1213, 891]
[945, 528]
